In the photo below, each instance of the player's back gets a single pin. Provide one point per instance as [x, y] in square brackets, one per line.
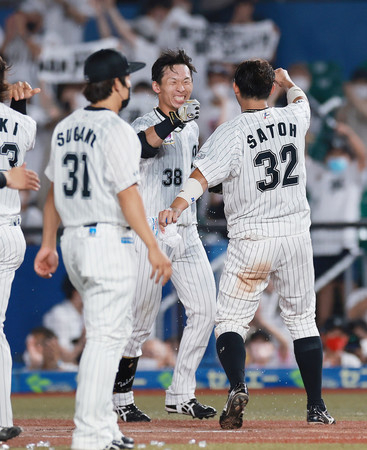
[94, 156]
[17, 136]
[272, 183]
[259, 157]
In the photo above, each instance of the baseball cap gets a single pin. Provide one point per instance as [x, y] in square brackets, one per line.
[107, 64]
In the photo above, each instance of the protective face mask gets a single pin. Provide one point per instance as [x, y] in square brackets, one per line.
[360, 90]
[337, 164]
[336, 343]
[221, 89]
[302, 82]
[125, 102]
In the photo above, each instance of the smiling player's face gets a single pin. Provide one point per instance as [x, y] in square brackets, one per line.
[175, 88]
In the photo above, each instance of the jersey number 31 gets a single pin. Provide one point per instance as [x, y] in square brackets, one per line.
[76, 163]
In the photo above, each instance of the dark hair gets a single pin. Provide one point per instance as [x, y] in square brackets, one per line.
[95, 92]
[151, 4]
[3, 84]
[170, 58]
[67, 287]
[43, 331]
[360, 74]
[254, 78]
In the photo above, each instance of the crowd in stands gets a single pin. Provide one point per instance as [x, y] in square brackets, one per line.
[44, 41]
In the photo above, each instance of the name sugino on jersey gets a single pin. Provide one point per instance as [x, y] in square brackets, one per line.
[263, 170]
[94, 156]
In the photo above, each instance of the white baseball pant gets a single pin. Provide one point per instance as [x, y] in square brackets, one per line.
[101, 263]
[246, 273]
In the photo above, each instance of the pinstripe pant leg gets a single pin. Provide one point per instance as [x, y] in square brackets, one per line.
[294, 281]
[104, 271]
[194, 281]
[12, 249]
[245, 276]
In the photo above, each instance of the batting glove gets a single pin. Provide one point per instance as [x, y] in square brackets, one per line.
[189, 111]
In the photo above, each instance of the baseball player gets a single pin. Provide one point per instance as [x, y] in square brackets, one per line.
[259, 157]
[94, 171]
[17, 136]
[169, 137]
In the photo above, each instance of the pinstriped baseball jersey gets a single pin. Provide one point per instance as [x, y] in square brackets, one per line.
[163, 175]
[17, 136]
[262, 171]
[88, 168]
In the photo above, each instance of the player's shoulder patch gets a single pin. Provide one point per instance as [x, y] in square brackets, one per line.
[170, 139]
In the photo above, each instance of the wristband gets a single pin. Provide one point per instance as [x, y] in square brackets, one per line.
[293, 93]
[191, 190]
[164, 128]
[2, 180]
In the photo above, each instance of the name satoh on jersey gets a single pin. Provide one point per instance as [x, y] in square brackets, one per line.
[260, 159]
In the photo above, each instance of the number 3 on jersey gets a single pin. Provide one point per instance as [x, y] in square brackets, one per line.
[77, 164]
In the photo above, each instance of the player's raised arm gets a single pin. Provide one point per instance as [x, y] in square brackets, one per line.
[190, 192]
[294, 93]
[152, 138]
[133, 210]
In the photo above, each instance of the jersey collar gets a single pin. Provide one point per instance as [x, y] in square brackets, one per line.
[93, 108]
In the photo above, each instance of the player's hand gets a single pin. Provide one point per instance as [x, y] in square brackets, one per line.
[22, 91]
[168, 216]
[283, 79]
[161, 265]
[46, 262]
[22, 178]
[189, 111]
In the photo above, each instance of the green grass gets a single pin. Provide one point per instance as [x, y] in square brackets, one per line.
[342, 405]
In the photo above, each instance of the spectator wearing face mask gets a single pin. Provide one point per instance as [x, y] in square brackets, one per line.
[335, 189]
[335, 338]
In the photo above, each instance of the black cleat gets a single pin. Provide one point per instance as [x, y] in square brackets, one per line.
[231, 417]
[124, 442]
[7, 433]
[317, 415]
[131, 413]
[192, 408]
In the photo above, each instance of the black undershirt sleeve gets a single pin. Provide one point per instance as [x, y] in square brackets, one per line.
[19, 105]
[147, 151]
[2, 180]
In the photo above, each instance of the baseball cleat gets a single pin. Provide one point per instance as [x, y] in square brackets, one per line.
[131, 413]
[231, 417]
[317, 415]
[123, 443]
[192, 408]
[7, 433]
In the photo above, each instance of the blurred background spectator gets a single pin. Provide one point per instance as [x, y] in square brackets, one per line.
[157, 354]
[66, 321]
[335, 189]
[43, 352]
[335, 338]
